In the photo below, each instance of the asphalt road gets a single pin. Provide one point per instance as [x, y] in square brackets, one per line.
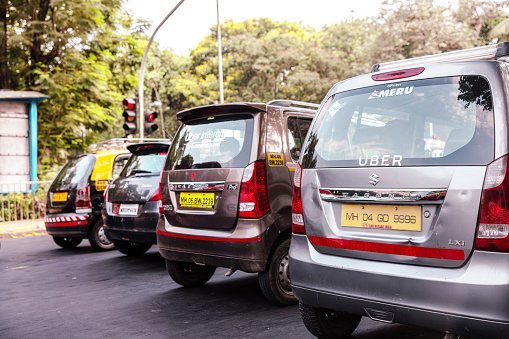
[49, 292]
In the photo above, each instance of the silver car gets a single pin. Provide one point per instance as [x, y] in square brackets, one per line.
[401, 202]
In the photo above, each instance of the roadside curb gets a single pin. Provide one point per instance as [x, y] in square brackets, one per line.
[15, 229]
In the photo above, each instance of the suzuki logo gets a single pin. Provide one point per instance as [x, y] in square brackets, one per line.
[374, 179]
[193, 176]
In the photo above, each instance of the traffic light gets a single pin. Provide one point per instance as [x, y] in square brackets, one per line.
[150, 122]
[130, 120]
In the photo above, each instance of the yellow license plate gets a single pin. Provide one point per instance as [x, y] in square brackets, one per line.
[100, 185]
[197, 200]
[60, 196]
[407, 218]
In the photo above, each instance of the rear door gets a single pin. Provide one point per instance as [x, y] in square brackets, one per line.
[395, 172]
[138, 182]
[204, 168]
[62, 192]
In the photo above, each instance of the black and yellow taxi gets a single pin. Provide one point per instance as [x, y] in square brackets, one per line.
[75, 198]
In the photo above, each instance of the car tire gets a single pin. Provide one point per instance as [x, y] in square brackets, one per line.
[189, 274]
[131, 248]
[66, 242]
[275, 280]
[98, 239]
[325, 323]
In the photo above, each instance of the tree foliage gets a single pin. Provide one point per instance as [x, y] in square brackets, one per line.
[81, 55]
[85, 56]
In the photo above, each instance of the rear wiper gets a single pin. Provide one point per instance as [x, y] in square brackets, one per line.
[137, 170]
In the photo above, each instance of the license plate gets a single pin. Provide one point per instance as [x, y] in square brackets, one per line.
[60, 196]
[197, 200]
[407, 218]
[100, 185]
[128, 209]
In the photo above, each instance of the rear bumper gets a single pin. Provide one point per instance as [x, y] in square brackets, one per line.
[246, 247]
[140, 229]
[68, 224]
[471, 300]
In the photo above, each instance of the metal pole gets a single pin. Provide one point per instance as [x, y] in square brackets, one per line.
[219, 57]
[141, 111]
[160, 112]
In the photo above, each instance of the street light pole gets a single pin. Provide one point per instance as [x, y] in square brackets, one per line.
[142, 72]
[219, 57]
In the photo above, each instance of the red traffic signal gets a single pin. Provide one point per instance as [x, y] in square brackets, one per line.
[129, 103]
[151, 116]
[130, 120]
[150, 125]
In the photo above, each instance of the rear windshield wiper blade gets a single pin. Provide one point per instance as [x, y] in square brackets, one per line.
[137, 170]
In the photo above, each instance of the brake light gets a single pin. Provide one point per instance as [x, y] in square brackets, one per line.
[157, 195]
[493, 228]
[297, 217]
[254, 202]
[405, 73]
[83, 199]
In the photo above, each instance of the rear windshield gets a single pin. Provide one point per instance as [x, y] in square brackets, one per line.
[216, 142]
[144, 163]
[444, 121]
[75, 171]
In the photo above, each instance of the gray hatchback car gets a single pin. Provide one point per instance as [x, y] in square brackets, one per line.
[401, 201]
[227, 192]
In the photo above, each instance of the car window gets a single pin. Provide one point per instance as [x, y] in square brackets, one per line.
[297, 128]
[437, 121]
[148, 163]
[213, 143]
[75, 170]
[118, 164]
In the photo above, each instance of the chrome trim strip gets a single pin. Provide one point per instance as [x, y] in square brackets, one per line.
[392, 195]
[196, 186]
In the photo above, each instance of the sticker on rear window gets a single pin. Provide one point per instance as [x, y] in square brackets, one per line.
[391, 92]
[382, 160]
[276, 159]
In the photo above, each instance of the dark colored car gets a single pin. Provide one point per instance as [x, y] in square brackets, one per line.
[131, 213]
[226, 192]
[401, 206]
[75, 198]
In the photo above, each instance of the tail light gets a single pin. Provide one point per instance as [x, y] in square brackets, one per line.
[160, 190]
[254, 202]
[157, 195]
[493, 229]
[83, 199]
[297, 218]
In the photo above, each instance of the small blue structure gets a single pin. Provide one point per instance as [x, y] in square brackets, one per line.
[18, 110]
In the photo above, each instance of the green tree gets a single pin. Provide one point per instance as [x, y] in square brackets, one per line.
[262, 60]
[163, 67]
[411, 28]
[79, 53]
[352, 42]
[481, 16]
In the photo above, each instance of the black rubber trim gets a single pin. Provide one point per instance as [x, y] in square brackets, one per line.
[502, 49]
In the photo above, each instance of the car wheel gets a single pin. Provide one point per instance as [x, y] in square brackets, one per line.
[275, 280]
[189, 274]
[131, 248]
[325, 323]
[65, 242]
[98, 238]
